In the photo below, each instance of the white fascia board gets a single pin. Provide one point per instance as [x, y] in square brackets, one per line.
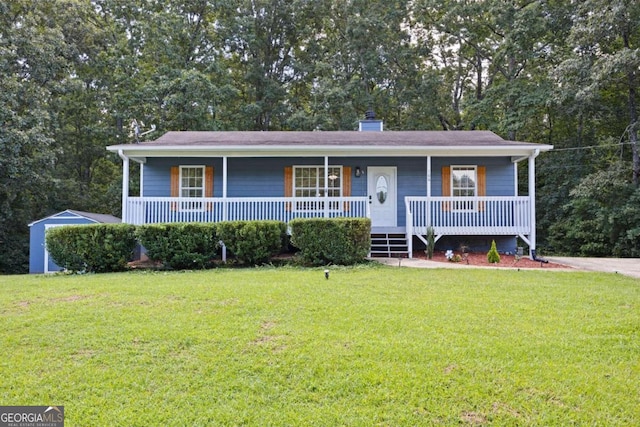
[139, 153]
[64, 215]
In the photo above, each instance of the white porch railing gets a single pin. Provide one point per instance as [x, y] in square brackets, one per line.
[447, 215]
[469, 215]
[150, 210]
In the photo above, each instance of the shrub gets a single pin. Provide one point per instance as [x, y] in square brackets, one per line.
[331, 241]
[95, 248]
[180, 245]
[431, 242]
[493, 256]
[253, 242]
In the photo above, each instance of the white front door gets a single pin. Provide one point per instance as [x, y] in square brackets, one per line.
[382, 195]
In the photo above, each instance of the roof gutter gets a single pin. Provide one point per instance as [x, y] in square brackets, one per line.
[535, 153]
[138, 153]
[122, 155]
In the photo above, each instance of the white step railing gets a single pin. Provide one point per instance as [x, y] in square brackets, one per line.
[150, 210]
[469, 215]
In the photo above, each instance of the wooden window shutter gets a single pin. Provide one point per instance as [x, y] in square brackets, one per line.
[482, 186]
[288, 185]
[208, 185]
[446, 186]
[175, 185]
[346, 185]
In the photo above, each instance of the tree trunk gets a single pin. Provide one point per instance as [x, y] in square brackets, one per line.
[633, 119]
[633, 130]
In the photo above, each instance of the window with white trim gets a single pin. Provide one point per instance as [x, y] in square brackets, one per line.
[309, 182]
[464, 183]
[192, 181]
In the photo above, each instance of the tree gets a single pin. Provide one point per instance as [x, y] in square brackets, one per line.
[601, 217]
[606, 40]
[31, 63]
[494, 56]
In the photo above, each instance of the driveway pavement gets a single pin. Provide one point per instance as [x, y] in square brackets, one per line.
[627, 266]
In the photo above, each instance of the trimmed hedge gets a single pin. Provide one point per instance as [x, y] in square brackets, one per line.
[180, 245]
[324, 241]
[253, 242]
[108, 247]
[94, 248]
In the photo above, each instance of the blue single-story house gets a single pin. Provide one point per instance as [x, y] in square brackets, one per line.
[464, 184]
[39, 259]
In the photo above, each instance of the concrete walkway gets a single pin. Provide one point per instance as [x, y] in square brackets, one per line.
[627, 266]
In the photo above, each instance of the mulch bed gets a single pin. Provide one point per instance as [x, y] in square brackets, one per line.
[474, 259]
[480, 260]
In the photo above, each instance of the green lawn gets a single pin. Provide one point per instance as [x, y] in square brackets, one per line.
[369, 346]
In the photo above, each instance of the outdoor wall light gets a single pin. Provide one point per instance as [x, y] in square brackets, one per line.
[358, 172]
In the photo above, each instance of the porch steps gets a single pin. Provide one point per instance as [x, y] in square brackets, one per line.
[389, 245]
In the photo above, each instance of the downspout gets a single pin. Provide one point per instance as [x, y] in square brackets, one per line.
[532, 203]
[125, 184]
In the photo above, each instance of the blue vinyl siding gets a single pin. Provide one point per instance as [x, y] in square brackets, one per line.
[157, 175]
[264, 177]
[371, 126]
[500, 173]
[258, 177]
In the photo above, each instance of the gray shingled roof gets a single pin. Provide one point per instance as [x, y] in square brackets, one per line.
[102, 218]
[334, 138]
[333, 143]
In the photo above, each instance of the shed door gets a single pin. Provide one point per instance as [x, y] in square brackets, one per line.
[49, 265]
[382, 191]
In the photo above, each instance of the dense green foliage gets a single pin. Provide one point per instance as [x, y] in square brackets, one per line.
[96, 248]
[253, 242]
[323, 241]
[601, 218]
[76, 73]
[180, 245]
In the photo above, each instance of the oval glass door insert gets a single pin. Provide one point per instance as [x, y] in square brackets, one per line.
[382, 188]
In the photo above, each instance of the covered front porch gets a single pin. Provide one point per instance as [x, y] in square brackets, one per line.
[458, 183]
[448, 216]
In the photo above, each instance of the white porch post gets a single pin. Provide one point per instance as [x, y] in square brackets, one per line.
[142, 179]
[125, 184]
[224, 187]
[326, 186]
[428, 176]
[515, 179]
[532, 202]
[427, 211]
[428, 207]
